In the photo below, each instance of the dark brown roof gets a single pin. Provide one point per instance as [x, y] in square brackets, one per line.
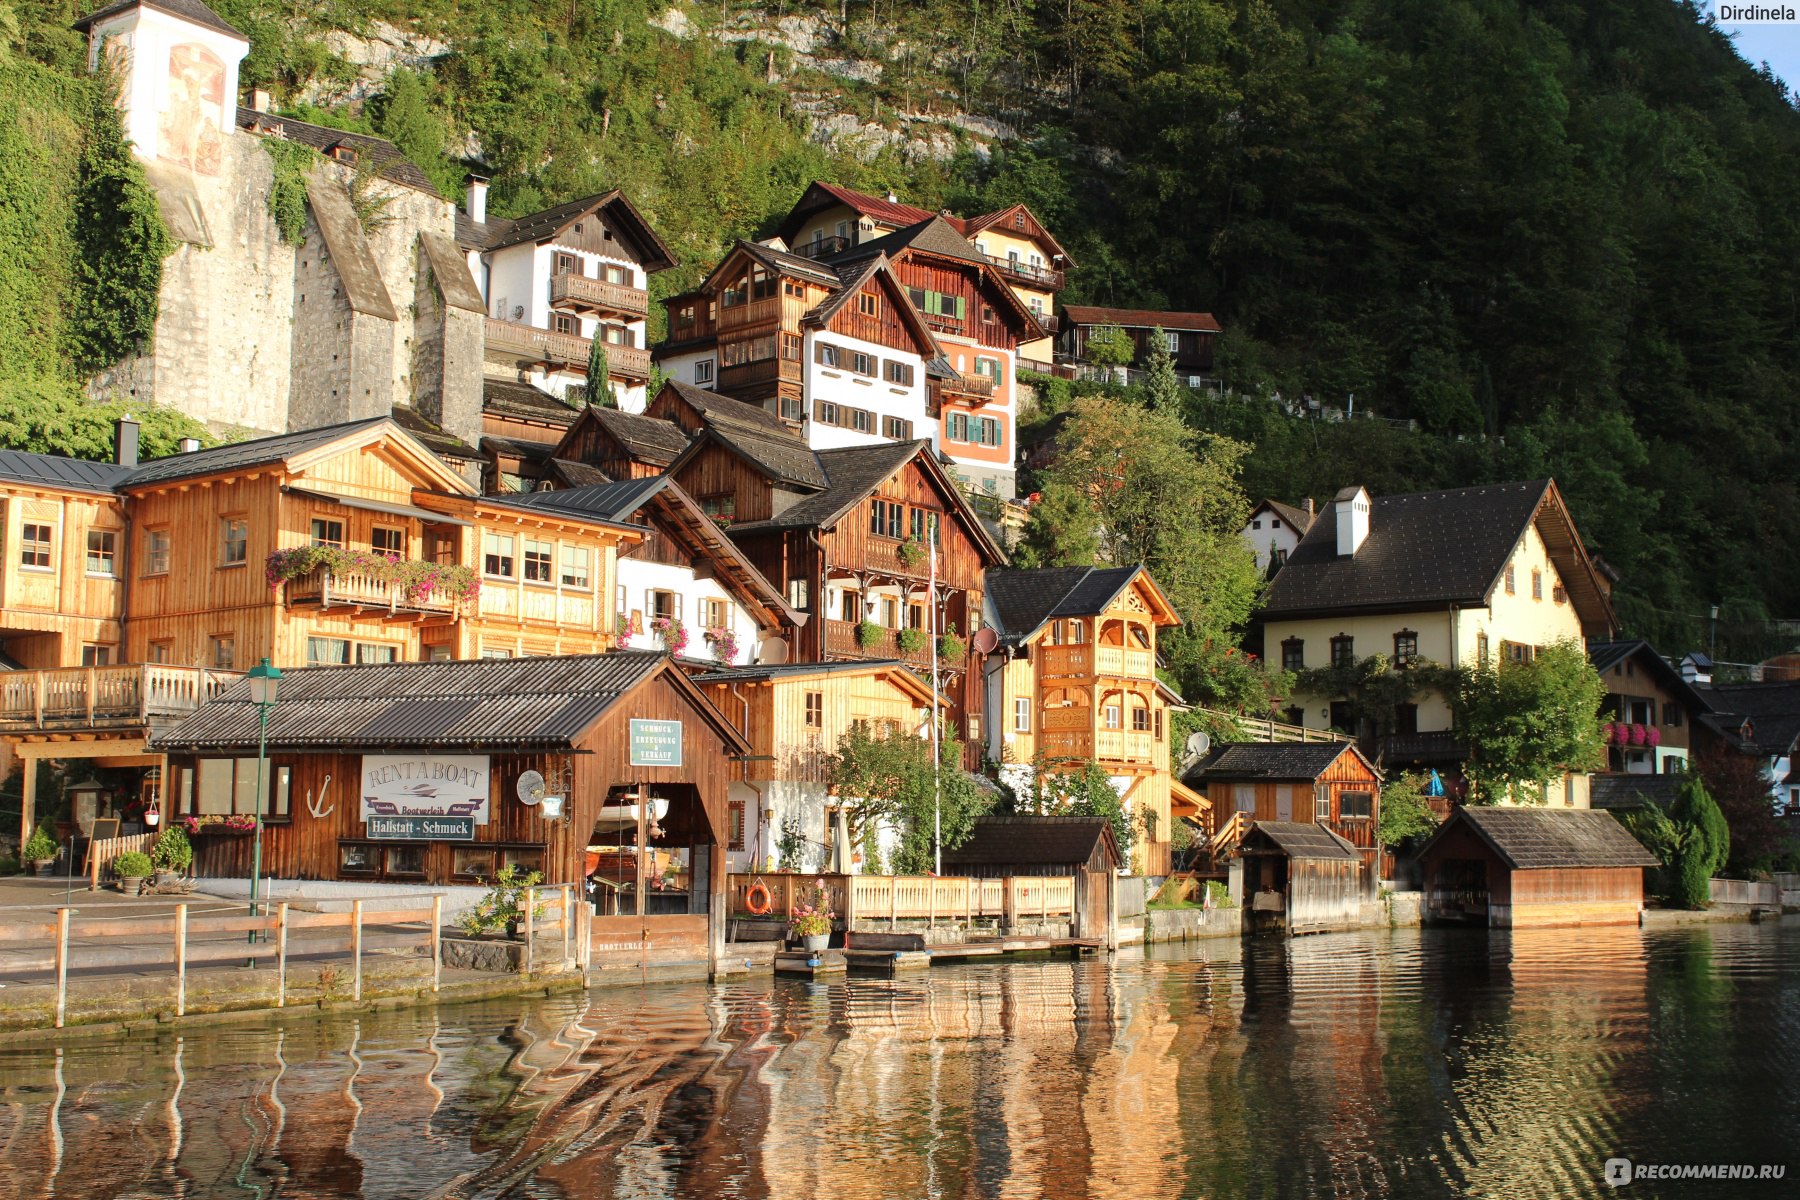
[1296, 761]
[575, 474]
[446, 444]
[191, 10]
[537, 452]
[647, 438]
[56, 471]
[933, 235]
[1298, 518]
[499, 232]
[1024, 600]
[1141, 318]
[484, 704]
[1633, 791]
[386, 158]
[1299, 839]
[511, 398]
[756, 434]
[1773, 710]
[1530, 839]
[1028, 841]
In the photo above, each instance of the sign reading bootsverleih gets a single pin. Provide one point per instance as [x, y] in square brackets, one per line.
[421, 829]
[655, 743]
[425, 785]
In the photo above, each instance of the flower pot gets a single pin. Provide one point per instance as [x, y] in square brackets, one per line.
[165, 878]
[816, 942]
[45, 865]
[131, 885]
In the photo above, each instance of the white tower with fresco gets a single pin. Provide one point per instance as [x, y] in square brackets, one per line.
[178, 71]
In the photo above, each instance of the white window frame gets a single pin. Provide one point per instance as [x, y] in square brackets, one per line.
[1021, 714]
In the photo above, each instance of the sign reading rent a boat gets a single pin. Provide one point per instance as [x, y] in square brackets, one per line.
[425, 785]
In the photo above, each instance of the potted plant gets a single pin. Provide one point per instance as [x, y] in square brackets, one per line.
[40, 850]
[911, 553]
[951, 647]
[673, 633]
[912, 640]
[172, 855]
[723, 642]
[132, 868]
[868, 635]
[503, 906]
[811, 918]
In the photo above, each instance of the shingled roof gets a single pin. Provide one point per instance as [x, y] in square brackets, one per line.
[649, 439]
[446, 444]
[477, 705]
[1026, 841]
[1534, 839]
[1297, 761]
[756, 434]
[1300, 839]
[497, 233]
[933, 235]
[1025, 600]
[237, 455]
[1633, 791]
[386, 159]
[1141, 318]
[513, 398]
[188, 10]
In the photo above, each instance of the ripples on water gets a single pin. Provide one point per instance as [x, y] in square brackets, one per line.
[1453, 1063]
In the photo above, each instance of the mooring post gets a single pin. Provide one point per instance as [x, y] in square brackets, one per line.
[181, 919]
[568, 913]
[530, 931]
[437, 941]
[62, 965]
[356, 950]
[281, 931]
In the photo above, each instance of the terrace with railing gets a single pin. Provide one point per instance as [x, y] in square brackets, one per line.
[123, 697]
[584, 294]
[563, 350]
[843, 640]
[1032, 275]
[330, 588]
[872, 902]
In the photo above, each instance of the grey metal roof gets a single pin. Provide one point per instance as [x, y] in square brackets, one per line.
[1772, 709]
[56, 471]
[1027, 840]
[609, 501]
[481, 704]
[191, 10]
[254, 453]
[1300, 839]
[1296, 761]
[1530, 839]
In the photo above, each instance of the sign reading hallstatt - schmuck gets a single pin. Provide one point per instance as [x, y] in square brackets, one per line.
[655, 743]
[425, 785]
[422, 829]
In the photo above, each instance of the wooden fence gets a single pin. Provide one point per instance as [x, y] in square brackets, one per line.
[894, 898]
[182, 940]
[1744, 891]
[102, 851]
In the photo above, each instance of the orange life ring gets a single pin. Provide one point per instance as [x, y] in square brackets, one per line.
[758, 901]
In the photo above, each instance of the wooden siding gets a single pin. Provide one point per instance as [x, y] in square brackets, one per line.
[783, 746]
[717, 471]
[46, 616]
[888, 327]
[1466, 880]
[970, 284]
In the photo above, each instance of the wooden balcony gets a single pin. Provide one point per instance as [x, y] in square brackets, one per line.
[969, 389]
[126, 697]
[1085, 660]
[365, 594]
[580, 293]
[841, 642]
[1132, 747]
[766, 311]
[1440, 746]
[1020, 271]
[824, 247]
[762, 371]
[563, 351]
[883, 556]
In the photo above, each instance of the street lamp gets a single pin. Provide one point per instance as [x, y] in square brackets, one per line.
[265, 682]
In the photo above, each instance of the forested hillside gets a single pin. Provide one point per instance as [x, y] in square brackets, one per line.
[1562, 235]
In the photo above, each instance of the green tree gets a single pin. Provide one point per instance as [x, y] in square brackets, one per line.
[1405, 811]
[1060, 531]
[1084, 791]
[1110, 346]
[1529, 723]
[887, 780]
[1162, 389]
[403, 114]
[51, 420]
[599, 377]
[1703, 843]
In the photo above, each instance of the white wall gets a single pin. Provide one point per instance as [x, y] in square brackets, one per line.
[638, 577]
[160, 95]
[510, 286]
[1266, 532]
[681, 366]
[839, 385]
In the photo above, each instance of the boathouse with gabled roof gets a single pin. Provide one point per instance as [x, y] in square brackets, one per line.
[1521, 866]
[1302, 877]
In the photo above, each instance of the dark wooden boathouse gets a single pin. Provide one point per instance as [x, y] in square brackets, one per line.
[1026, 845]
[1302, 878]
[1534, 866]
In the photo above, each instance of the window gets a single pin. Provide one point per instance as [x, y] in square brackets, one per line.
[327, 652]
[1243, 797]
[919, 524]
[815, 710]
[890, 612]
[1406, 648]
[1159, 725]
[826, 413]
[1077, 631]
[228, 785]
[868, 304]
[1537, 585]
[568, 264]
[224, 651]
[896, 428]
[897, 372]
[959, 427]
[749, 350]
[102, 552]
[762, 283]
[850, 608]
[34, 545]
[862, 364]
[156, 552]
[1172, 342]
[162, 652]
[496, 651]
[799, 594]
[793, 287]
[620, 275]
[327, 533]
[791, 347]
[1559, 594]
[1114, 717]
[234, 541]
[1022, 715]
[472, 863]
[886, 518]
[497, 554]
[988, 368]
[376, 652]
[1481, 649]
[1671, 713]
[577, 564]
[987, 431]
[619, 335]
[860, 420]
[386, 540]
[703, 371]
[1321, 803]
[987, 314]
[734, 825]
[1517, 652]
[540, 561]
[1140, 719]
[1356, 806]
[793, 408]
[565, 324]
[1510, 579]
[94, 654]
[714, 613]
[662, 603]
[724, 505]
[826, 354]
[1293, 655]
[1343, 651]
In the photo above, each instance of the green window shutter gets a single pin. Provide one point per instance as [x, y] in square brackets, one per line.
[961, 307]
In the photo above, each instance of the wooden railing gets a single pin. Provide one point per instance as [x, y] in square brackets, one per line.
[564, 349]
[329, 589]
[843, 638]
[978, 388]
[1109, 745]
[1744, 891]
[1231, 832]
[105, 696]
[871, 898]
[823, 246]
[1263, 729]
[883, 554]
[569, 290]
[1047, 278]
[1123, 661]
[101, 853]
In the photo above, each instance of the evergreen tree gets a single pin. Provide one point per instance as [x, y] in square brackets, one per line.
[1162, 388]
[1703, 842]
[599, 377]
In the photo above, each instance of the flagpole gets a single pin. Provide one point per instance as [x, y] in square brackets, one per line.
[937, 791]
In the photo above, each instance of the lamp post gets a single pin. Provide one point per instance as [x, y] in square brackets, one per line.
[265, 682]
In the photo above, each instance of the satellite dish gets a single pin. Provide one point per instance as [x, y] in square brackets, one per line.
[530, 788]
[1199, 743]
[771, 652]
[985, 640]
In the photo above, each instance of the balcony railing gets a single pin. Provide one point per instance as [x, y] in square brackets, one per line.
[354, 589]
[1018, 269]
[563, 350]
[1124, 661]
[1109, 745]
[584, 294]
[824, 247]
[102, 697]
[841, 640]
[1442, 745]
[978, 388]
[883, 555]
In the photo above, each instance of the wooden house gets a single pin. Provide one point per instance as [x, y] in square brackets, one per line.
[1083, 847]
[408, 773]
[621, 445]
[1302, 877]
[1757, 721]
[521, 426]
[795, 716]
[1187, 336]
[1071, 680]
[1328, 783]
[1525, 866]
[1651, 712]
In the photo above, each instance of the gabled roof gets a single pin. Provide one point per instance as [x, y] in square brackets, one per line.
[1297, 518]
[1027, 600]
[574, 474]
[1434, 549]
[1300, 839]
[780, 261]
[853, 278]
[612, 501]
[1606, 655]
[385, 158]
[646, 439]
[513, 398]
[1772, 709]
[254, 453]
[485, 704]
[1529, 839]
[497, 233]
[751, 432]
[64, 474]
[999, 841]
[975, 225]
[1297, 762]
[446, 444]
[819, 195]
[937, 236]
[525, 448]
[187, 10]
[1141, 318]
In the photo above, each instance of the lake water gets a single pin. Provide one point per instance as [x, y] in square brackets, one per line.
[1404, 1064]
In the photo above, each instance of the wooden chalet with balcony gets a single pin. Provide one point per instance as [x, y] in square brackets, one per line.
[1187, 336]
[1072, 680]
[1325, 783]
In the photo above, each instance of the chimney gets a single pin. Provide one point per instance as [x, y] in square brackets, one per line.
[477, 202]
[893, 199]
[1352, 505]
[125, 441]
[189, 445]
[260, 100]
[1308, 506]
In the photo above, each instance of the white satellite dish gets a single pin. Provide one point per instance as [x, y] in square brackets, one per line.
[530, 788]
[771, 652]
[1198, 743]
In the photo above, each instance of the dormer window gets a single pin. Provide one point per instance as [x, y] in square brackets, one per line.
[343, 153]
